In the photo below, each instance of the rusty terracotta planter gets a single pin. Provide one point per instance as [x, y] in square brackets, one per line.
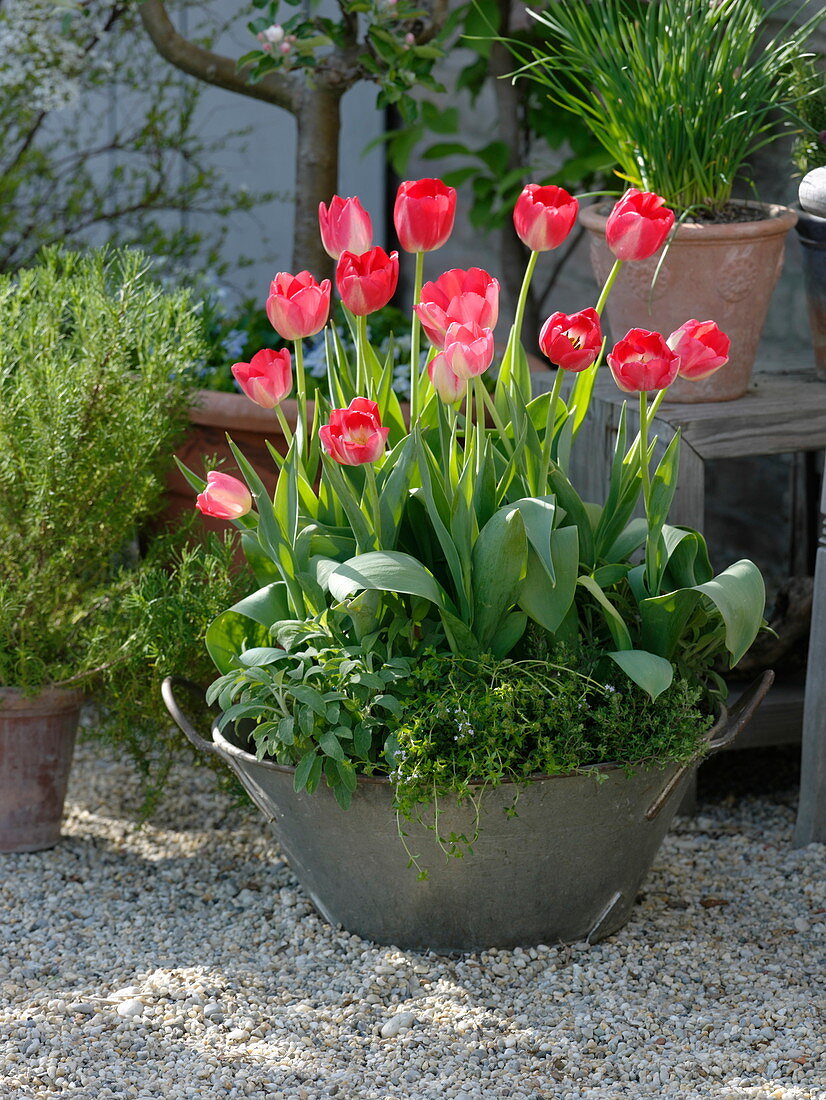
[212, 415]
[37, 740]
[720, 272]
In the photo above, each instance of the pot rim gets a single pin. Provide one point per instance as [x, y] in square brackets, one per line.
[50, 700]
[778, 219]
[226, 748]
[215, 408]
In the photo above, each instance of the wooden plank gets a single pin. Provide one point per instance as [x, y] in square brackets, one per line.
[781, 413]
[779, 718]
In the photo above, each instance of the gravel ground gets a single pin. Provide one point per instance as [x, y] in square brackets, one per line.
[181, 960]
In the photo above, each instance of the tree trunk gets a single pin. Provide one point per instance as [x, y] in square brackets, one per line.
[319, 125]
[513, 255]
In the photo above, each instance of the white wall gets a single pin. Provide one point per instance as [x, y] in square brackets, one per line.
[265, 161]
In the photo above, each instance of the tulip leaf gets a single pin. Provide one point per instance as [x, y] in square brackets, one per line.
[569, 500]
[461, 638]
[394, 487]
[613, 620]
[687, 557]
[580, 397]
[343, 490]
[386, 571]
[509, 633]
[246, 625]
[546, 602]
[263, 567]
[269, 529]
[664, 484]
[629, 540]
[430, 476]
[738, 595]
[484, 489]
[285, 500]
[538, 515]
[194, 482]
[652, 673]
[499, 561]
[563, 441]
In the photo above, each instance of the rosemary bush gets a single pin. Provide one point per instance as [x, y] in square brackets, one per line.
[680, 93]
[152, 625]
[92, 396]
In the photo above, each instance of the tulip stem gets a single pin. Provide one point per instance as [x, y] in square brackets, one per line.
[645, 469]
[653, 409]
[646, 490]
[516, 331]
[372, 492]
[549, 429]
[301, 427]
[415, 332]
[609, 282]
[285, 427]
[361, 357]
[478, 388]
[497, 420]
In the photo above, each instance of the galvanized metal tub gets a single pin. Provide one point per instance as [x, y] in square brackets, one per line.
[566, 867]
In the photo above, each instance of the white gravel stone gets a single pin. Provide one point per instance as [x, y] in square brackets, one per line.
[244, 992]
[130, 1008]
[400, 1022]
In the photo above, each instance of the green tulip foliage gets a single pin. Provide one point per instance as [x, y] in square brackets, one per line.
[465, 533]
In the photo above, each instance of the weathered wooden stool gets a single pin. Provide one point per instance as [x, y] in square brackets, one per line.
[811, 814]
[782, 413]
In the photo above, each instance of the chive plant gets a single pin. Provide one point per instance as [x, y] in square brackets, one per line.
[679, 92]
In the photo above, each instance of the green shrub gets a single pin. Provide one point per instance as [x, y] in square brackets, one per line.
[152, 625]
[92, 397]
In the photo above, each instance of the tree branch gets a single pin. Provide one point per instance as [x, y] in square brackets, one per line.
[211, 67]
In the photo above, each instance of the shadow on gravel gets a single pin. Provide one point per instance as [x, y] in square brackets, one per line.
[771, 774]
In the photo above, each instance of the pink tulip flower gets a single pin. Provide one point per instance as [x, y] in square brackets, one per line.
[702, 347]
[225, 497]
[367, 282]
[267, 378]
[345, 227]
[449, 386]
[643, 361]
[354, 435]
[464, 297]
[423, 214]
[638, 225]
[544, 216]
[572, 341]
[298, 306]
[468, 350]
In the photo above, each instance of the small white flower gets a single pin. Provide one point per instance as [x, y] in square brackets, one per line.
[274, 33]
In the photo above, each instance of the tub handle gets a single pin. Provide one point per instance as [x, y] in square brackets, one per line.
[736, 720]
[740, 714]
[180, 718]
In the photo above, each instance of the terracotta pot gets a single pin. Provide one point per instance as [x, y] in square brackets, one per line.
[811, 232]
[37, 740]
[213, 415]
[725, 273]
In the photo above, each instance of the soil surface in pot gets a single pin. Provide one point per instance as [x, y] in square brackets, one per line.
[729, 214]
